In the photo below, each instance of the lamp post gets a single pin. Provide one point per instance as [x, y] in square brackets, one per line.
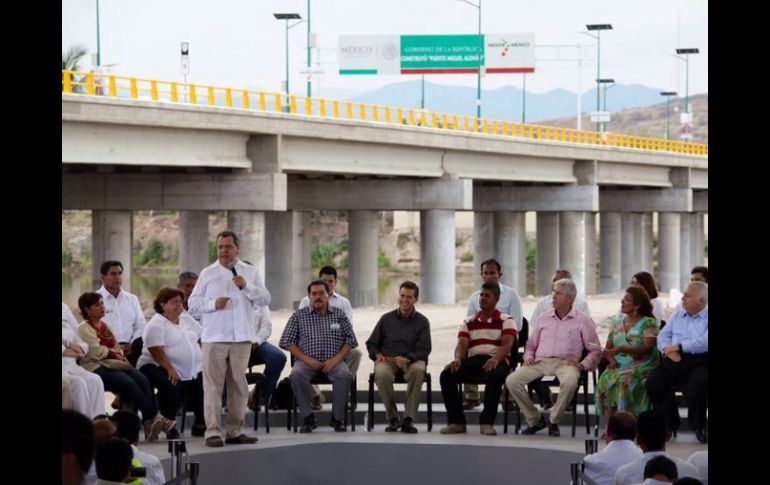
[598, 28]
[98, 38]
[286, 17]
[603, 83]
[308, 49]
[478, 64]
[686, 59]
[668, 95]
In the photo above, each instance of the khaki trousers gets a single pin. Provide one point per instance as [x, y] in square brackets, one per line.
[225, 363]
[385, 374]
[553, 366]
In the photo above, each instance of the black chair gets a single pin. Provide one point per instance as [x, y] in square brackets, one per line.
[582, 380]
[399, 380]
[258, 379]
[350, 405]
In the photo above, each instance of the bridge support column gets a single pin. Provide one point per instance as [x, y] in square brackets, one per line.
[630, 242]
[572, 247]
[698, 240]
[590, 253]
[645, 241]
[112, 236]
[483, 243]
[193, 240]
[287, 257]
[362, 258]
[669, 231]
[547, 250]
[250, 228]
[511, 249]
[437, 255]
[685, 248]
[610, 248]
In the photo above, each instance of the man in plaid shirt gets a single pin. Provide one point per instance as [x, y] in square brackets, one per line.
[319, 337]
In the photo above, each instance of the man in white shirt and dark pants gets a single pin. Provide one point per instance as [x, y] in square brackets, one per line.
[224, 297]
[122, 311]
[620, 449]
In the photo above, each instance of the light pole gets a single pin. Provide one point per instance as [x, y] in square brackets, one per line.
[524, 98]
[308, 49]
[686, 59]
[668, 95]
[98, 38]
[478, 57]
[598, 28]
[286, 17]
[605, 83]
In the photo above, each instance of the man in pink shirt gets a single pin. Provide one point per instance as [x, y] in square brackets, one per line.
[555, 348]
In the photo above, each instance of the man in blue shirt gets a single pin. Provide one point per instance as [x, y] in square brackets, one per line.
[319, 337]
[684, 344]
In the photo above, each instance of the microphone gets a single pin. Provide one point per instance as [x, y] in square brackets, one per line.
[232, 268]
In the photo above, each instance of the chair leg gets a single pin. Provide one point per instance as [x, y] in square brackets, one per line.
[267, 419]
[430, 405]
[574, 410]
[353, 403]
[256, 420]
[184, 417]
[505, 410]
[585, 405]
[370, 407]
[294, 410]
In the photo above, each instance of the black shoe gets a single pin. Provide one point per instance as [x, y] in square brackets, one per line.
[338, 425]
[541, 424]
[702, 436]
[198, 429]
[408, 426]
[173, 434]
[309, 424]
[471, 403]
[394, 425]
[553, 429]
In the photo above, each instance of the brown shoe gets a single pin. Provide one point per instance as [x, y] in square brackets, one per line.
[153, 427]
[253, 402]
[452, 428]
[316, 405]
[214, 442]
[488, 429]
[471, 403]
[241, 439]
[116, 403]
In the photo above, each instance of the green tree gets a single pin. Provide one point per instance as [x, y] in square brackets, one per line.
[70, 61]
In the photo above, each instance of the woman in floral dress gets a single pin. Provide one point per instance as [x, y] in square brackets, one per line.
[631, 355]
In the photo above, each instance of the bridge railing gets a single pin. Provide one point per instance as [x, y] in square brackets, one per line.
[90, 83]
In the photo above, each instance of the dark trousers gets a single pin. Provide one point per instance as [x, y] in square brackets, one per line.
[691, 375]
[132, 385]
[274, 360]
[170, 395]
[471, 368]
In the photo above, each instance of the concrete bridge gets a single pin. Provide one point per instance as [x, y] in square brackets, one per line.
[268, 170]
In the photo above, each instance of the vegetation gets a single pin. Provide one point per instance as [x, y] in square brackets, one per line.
[70, 61]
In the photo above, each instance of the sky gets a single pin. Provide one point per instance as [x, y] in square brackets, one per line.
[238, 43]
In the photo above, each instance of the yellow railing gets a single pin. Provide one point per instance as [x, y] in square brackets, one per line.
[189, 93]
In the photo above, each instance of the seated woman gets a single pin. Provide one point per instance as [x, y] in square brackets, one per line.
[85, 391]
[631, 355]
[171, 358]
[647, 281]
[105, 359]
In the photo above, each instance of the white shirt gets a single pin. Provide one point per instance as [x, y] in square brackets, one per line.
[509, 303]
[264, 327]
[601, 466]
[657, 310]
[67, 317]
[633, 473]
[546, 303]
[337, 301]
[179, 342]
[70, 336]
[123, 314]
[155, 475]
[700, 460]
[236, 321]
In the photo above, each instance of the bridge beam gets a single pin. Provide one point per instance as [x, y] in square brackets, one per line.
[175, 191]
[544, 198]
[375, 194]
[645, 200]
[700, 200]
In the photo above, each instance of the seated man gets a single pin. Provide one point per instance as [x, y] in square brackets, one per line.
[554, 348]
[620, 449]
[651, 436]
[486, 337]
[401, 340]
[319, 337]
[684, 343]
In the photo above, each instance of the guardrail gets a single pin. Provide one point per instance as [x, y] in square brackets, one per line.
[95, 84]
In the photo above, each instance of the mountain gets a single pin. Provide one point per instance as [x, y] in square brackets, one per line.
[506, 102]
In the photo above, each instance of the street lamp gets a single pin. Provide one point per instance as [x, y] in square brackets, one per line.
[479, 54]
[287, 17]
[598, 28]
[308, 50]
[686, 59]
[603, 83]
[668, 95]
[98, 38]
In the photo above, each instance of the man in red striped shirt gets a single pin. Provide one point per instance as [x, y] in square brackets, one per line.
[486, 337]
